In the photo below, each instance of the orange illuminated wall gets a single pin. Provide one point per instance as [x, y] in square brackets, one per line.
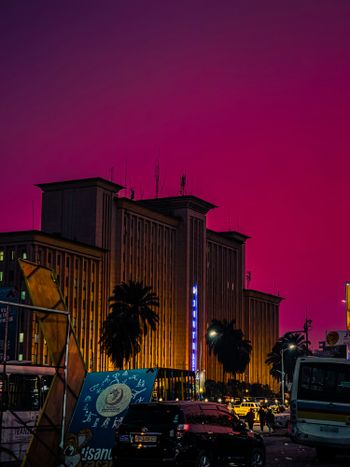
[347, 293]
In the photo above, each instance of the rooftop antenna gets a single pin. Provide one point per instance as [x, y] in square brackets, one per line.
[126, 173]
[182, 185]
[248, 277]
[32, 215]
[125, 188]
[156, 176]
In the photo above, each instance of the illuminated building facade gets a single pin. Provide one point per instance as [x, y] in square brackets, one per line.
[261, 321]
[95, 239]
[79, 270]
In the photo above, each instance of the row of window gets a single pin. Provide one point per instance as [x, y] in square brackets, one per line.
[24, 255]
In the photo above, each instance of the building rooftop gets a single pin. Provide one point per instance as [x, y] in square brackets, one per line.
[263, 295]
[80, 183]
[167, 205]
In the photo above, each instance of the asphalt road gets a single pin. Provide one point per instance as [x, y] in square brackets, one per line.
[280, 451]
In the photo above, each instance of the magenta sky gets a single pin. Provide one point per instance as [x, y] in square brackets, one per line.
[249, 99]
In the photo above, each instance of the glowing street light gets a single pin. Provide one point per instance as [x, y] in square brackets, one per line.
[290, 347]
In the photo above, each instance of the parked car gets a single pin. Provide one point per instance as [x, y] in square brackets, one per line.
[242, 409]
[282, 419]
[202, 434]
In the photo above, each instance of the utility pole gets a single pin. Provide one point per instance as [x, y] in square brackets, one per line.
[307, 327]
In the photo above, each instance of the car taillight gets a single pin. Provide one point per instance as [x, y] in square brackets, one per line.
[181, 430]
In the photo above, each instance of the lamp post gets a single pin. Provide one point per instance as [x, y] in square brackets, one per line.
[290, 347]
[215, 335]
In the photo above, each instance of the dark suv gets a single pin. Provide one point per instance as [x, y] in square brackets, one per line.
[201, 434]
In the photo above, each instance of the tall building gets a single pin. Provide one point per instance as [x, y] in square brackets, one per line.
[94, 239]
[261, 327]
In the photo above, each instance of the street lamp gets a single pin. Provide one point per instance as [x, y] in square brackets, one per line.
[213, 336]
[290, 347]
[213, 333]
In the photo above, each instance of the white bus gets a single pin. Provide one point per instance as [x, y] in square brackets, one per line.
[320, 404]
[23, 389]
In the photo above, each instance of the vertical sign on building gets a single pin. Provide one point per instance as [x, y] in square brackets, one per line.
[194, 327]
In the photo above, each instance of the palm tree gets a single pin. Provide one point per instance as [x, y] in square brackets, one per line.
[274, 358]
[229, 346]
[129, 320]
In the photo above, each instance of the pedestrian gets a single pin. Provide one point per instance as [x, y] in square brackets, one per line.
[262, 417]
[250, 417]
[270, 420]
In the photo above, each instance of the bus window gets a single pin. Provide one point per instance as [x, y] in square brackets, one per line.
[324, 383]
[343, 386]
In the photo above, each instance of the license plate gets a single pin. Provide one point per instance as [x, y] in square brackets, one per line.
[145, 439]
[329, 429]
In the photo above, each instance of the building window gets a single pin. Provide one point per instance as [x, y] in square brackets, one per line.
[2, 254]
[23, 295]
[13, 255]
[1, 276]
[24, 255]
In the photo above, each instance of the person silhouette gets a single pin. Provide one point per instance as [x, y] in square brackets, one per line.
[262, 417]
[270, 420]
[250, 417]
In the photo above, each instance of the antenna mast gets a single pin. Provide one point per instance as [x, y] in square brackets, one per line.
[156, 176]
[248, 277]
[182, 185]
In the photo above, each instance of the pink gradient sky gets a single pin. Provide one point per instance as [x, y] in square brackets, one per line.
[249, 99]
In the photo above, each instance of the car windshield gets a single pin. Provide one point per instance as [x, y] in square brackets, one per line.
[161, 414]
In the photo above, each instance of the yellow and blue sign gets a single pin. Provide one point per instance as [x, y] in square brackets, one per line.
[101, 407]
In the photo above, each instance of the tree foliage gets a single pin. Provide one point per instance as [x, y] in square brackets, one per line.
[274, 358]
[131, 315]
[228, 345]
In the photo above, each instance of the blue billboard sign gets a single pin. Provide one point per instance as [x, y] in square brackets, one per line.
[8, 318]
[101, 407]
